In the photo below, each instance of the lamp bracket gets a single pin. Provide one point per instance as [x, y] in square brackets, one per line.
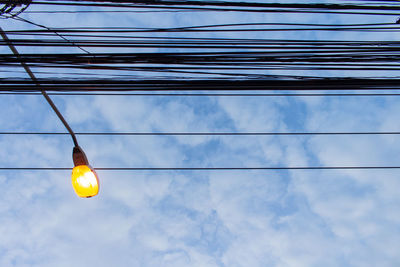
[79, 157]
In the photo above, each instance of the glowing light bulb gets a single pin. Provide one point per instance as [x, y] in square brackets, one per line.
[85, 181]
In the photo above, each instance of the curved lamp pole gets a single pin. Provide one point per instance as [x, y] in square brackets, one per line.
[84, 179]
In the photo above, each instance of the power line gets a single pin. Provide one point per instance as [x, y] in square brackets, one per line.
[222, 6]
[210, 95]
[116, 28]
[327, 84]
[258, 58]
[201, 133]
[260, 45]
[105, 11]
[381, 27]
[51, 30]
[295, 46]
[67, 32]
[206, 168]
[213, 64]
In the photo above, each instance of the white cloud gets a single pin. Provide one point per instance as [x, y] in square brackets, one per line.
[249, 218]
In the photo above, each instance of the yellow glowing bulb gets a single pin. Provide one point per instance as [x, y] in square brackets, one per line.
[85, 181]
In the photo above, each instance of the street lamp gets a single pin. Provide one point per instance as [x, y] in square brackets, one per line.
[84, 178]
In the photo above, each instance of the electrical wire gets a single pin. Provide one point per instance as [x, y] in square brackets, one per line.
[104, 11]
[249, 58]
[206, 168]
[223, 6]
[293, 47]
[214, 64]
[201, 133]
[67, 32]
[383, 27]
[51, 30]
[210, 95]
[269, 55]
[234, 85]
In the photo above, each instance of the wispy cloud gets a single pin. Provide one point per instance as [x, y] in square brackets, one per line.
[226, 218]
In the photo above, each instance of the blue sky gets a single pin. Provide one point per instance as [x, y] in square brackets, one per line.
[229, 218]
